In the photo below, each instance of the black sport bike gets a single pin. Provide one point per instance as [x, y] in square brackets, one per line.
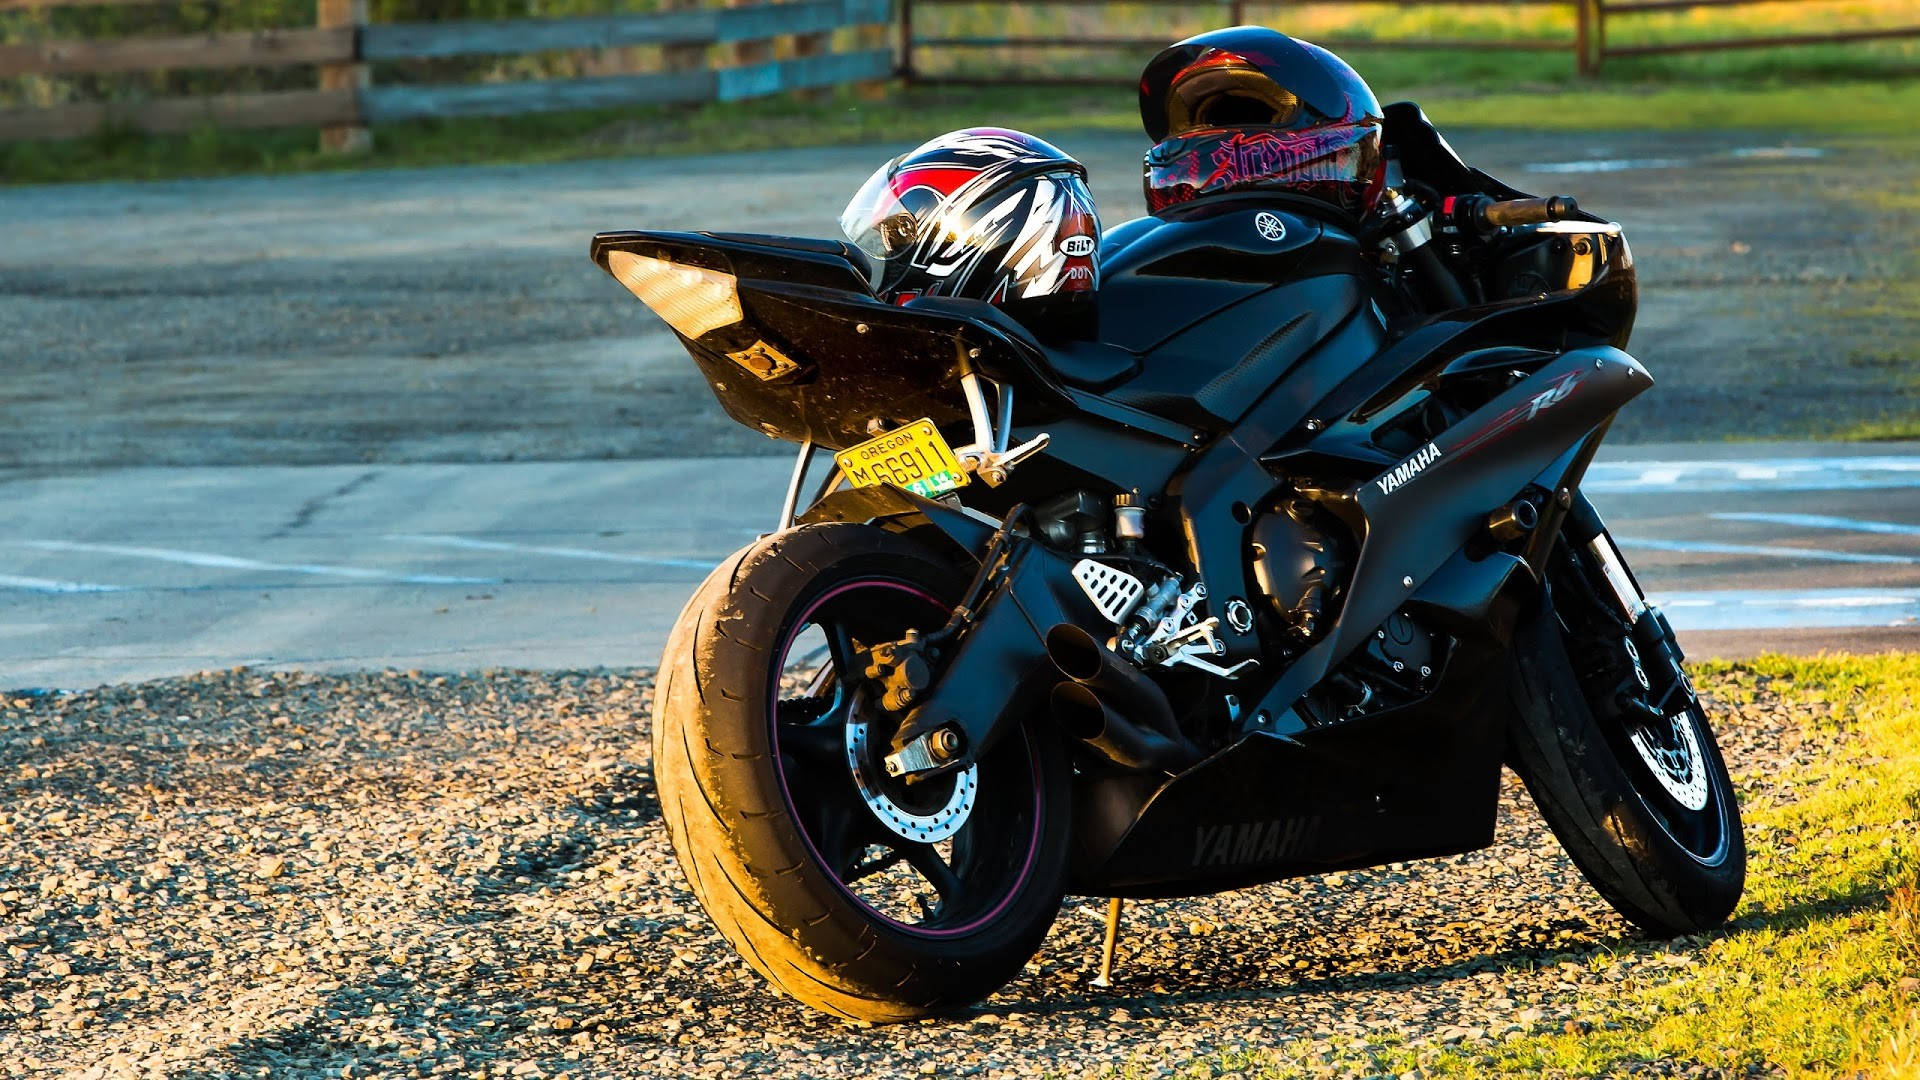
[1269, 580]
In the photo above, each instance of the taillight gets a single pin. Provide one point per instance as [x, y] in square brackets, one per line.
[692, 300]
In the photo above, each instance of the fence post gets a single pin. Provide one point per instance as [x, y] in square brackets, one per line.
[906, 42]
[1583, 37]
[874, 36]
[1237, 13]
[1599, 35]
[757, 51]
[812, 45]
[352, 76]
[683, 57]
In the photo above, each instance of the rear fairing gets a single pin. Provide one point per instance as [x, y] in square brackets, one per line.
[815, 357]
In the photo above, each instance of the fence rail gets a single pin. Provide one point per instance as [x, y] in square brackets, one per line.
[1588, 43]
[346, 101]
[344, 44]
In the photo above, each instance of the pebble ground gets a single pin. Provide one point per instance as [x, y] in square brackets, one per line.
[286, 874]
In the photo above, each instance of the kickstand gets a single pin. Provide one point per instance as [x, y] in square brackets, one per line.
[1105, 978]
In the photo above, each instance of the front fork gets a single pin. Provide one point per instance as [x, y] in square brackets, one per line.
[1651, 641]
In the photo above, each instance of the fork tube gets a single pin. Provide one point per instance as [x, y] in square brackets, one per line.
[792, 502]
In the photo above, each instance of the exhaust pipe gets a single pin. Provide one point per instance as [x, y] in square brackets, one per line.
[1112, 706]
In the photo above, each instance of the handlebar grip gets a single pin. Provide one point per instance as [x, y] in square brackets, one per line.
[1528, 211]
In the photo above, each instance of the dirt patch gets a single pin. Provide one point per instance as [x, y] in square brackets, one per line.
[408, 875]
[451, 314]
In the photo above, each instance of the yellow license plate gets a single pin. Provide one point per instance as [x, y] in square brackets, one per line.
[914, 457]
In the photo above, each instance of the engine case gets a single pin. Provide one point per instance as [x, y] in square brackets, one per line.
[1300, 562]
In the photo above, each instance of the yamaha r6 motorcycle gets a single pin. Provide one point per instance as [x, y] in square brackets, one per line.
[1275, 593]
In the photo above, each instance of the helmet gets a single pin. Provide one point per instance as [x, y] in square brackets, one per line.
[989, 214]
[1251, 109]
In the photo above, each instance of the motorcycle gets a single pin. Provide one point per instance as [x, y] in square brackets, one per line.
[1269, 580]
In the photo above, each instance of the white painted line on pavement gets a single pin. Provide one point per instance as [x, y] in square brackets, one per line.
[1759, 474]
[1779, 153]
[1763, 609]
[1604, 165]
[472, 544]
[232, 562]
[1824, 521]
[1609, 165]
[34, 584]
[1816, 554]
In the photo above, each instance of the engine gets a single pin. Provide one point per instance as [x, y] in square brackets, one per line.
[1158, 616]
[1301, 558]
[1300, 563]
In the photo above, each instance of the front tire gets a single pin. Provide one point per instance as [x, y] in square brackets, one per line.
[776, 809]
[1658, 836]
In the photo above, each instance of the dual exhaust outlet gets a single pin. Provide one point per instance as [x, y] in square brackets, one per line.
[1113, 707]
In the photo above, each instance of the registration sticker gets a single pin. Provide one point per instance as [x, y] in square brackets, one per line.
[914, 458]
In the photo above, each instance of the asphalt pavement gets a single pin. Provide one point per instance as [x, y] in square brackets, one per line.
[119, 575]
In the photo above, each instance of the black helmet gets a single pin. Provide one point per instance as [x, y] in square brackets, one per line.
[1251, 109]
[988, 214]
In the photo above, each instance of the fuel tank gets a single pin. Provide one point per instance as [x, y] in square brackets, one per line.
[1221, 298]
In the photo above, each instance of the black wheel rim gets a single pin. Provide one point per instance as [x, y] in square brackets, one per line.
[1652, 721]
[1664, 756]
[945, 888]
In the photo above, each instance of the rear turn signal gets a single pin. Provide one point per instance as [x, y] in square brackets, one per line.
[691, 300]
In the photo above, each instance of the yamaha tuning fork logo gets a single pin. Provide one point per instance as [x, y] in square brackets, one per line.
[1269, 226]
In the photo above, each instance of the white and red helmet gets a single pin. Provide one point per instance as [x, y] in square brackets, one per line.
[987, 214]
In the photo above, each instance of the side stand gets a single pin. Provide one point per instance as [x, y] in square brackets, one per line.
[1105, 978]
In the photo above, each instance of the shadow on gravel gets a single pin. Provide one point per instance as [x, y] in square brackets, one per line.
[414, 875]
[626, 790]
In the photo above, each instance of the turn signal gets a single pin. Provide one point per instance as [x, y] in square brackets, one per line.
[692, 300]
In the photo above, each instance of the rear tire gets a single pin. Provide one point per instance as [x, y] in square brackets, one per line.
[756, 783]
[1621, 828]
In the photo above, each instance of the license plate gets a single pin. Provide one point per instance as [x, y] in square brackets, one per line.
[914, 457]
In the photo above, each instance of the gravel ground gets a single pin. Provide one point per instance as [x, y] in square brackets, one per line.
[291, 874]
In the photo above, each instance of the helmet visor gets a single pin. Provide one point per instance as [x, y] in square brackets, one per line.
[1224, 90]
[876, 221]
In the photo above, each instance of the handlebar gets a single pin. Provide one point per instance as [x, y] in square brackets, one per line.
[1483, 213]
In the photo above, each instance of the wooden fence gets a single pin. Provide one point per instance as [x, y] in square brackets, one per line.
[344, 43]
[1597, 52]
[1588, 45]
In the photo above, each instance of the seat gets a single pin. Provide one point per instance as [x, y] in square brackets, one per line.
[1091, 365]
[1084, 365]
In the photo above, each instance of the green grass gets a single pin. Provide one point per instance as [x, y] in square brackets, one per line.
[1881, 430]
[1863, 88]
[1809, 976]
[905, 116]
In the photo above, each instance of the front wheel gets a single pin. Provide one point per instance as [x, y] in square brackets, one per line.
[856, 893]
[1617, 752]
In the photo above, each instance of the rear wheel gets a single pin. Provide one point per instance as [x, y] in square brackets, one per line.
[1618, 753]
[855, 892]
